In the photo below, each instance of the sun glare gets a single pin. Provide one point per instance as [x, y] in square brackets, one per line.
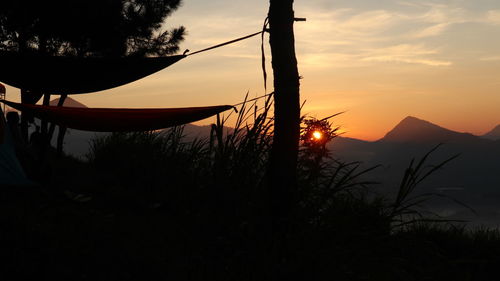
[317, 135]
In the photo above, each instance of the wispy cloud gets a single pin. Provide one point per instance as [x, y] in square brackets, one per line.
[405, 53]
[433, 30]
[367, 22]
[437, 19]
[353, 37]
[331, 60]
[441, 13]
[493, 58]
[401, 54]
[493, 17]
[349, 24]
[348, 38]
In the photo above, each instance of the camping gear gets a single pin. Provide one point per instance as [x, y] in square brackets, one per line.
[118, 119]
[76, 75]
[39, 73]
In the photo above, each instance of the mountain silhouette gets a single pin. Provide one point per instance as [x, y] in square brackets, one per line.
[493, 134]
[414, 130]
[471, 178]
[68, 102]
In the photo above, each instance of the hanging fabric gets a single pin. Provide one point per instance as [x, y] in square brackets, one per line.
[119, 119]
[76, 75]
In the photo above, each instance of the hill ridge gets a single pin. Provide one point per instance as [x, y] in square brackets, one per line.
[68, 102]
[415, 130]
[494, 134]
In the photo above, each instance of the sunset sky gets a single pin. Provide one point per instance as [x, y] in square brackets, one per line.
[378, 60]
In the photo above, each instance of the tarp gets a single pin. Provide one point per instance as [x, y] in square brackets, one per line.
[11, 172]
[119, 119]
[76, 75]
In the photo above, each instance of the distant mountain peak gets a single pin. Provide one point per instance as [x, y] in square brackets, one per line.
[414, 130]
[410, 118]
[493, 134]
[68, 102]
[414, 121]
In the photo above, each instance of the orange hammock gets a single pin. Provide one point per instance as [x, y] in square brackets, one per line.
[76, 75]
[118, 119]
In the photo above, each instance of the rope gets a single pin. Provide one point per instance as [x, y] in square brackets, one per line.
[225, 43]
[263, 55]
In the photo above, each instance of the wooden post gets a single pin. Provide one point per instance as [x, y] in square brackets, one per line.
[283, 163]
[282, 173]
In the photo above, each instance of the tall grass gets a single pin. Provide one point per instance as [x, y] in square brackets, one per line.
[163, 206]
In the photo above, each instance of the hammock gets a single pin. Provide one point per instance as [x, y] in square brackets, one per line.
[118, 119]
[76, 75]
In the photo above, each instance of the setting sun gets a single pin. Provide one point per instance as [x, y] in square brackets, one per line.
[317, 135]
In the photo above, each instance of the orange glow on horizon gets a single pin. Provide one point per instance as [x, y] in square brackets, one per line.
[378, 64]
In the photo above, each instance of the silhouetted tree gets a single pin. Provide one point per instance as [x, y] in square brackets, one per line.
[89, 27]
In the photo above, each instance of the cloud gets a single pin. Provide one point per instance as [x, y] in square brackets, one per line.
[493, 58]
[367, 22]
[408, 4]
[349, 27]
[440, 13]
[434, 30]
[349, 24]
[330, 60]
[347, 38]
[405, 53]
[409, 60]
[493, 17]
[438, 19]
[402, 53]
[352, 37]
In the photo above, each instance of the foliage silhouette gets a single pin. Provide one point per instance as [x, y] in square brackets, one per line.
[89, 28]
[159, 205]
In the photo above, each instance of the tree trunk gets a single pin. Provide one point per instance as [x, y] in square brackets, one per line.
[45, 123]
[27, 97]
[282, 173]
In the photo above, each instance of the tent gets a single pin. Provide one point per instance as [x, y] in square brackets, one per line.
[118, 119]
[76, 75]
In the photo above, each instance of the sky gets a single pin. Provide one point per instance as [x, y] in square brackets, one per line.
[379, 61]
